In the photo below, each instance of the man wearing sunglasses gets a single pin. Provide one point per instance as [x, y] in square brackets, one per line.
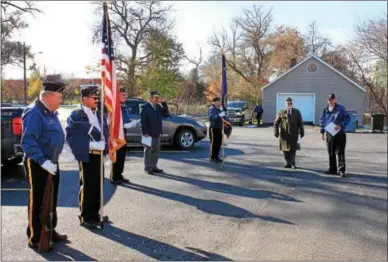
[83, 134]
[151, 119]
[290, 123]
[337, 114]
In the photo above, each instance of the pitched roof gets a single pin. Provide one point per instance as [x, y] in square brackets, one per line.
[321, 61]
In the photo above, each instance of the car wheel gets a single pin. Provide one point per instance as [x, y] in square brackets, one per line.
[13, 162]
[242, 122]
[185, 138]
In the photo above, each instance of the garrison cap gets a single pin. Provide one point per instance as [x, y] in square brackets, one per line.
[216, 99]
[54, 86]
[89, 90]
[289, 99]
[331, 96]
[122, 90]
[154, 93]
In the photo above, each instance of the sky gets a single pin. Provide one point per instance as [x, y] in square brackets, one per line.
[63, 32]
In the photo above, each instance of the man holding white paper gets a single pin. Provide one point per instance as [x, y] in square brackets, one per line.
[333, 122]
[151, 119]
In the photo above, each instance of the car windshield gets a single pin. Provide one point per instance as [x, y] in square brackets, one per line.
[235, 104]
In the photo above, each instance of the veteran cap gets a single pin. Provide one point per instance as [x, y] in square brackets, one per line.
[89, 90]
[122, 90]
[216, 99]
[331, 96]
[53, 86]
[154, 93]
[288, 99]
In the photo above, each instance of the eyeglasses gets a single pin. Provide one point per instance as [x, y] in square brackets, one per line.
[289, 103]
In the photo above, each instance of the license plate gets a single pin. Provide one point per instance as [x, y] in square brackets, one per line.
[235, 120]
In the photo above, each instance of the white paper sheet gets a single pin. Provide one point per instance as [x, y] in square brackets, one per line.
[146, 141]
[299, 139]
[330, 129]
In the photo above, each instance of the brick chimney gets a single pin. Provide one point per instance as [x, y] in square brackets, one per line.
[292, 62]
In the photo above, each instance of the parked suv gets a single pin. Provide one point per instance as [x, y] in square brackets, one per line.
[183, 131]
[239, 112]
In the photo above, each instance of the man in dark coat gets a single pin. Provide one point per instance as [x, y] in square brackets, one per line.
[290, 123]
[259, 112]
[151, 119]
[337, 114]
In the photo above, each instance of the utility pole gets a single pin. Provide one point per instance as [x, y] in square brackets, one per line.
[25, 73]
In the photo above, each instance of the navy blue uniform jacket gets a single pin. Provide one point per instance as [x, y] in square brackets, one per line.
[151, 119]
[77, 136]
[42, 133]
[338, 116]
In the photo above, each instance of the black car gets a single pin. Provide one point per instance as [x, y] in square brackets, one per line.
[239, 112]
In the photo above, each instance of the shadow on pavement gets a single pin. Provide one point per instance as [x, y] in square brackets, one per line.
[214, 207]
[230, 189]
[63, 252]
[155, 249]
[14, 179]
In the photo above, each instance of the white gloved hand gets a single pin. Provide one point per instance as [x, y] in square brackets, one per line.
[222, 114]
[93, 145]
[50, 167]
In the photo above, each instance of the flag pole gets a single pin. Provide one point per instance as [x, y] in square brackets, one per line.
[102, 130]
[223, 105]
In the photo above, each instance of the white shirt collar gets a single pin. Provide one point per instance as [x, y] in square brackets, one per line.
[152, 105]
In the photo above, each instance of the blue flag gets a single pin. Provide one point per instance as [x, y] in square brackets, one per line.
[224, 87]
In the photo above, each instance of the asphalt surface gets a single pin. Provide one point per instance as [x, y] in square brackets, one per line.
[250, 209]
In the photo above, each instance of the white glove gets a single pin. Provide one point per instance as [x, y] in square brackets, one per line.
[222, 114]
[93, 145]
[50, 167]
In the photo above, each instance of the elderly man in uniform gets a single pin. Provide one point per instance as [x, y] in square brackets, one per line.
[83, 134]
[151, 117]
[116, 174]
[42, 142]
[337, 114]
[290, 123]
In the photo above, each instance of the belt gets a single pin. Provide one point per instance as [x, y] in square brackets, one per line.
[95, 152]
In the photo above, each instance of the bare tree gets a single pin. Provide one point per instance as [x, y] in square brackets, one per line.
[315, 43]
[12, 21]
[131, 23]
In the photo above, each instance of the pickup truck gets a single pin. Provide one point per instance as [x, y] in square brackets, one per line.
[11, 132]
[239, 112]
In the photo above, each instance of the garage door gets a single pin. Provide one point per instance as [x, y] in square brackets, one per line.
[305, 102]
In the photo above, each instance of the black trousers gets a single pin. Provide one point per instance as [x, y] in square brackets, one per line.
[289, 157]
[117, 168]
[258, 118]
[336, 149]
[37, 178]
[89, 194]
[215, 142]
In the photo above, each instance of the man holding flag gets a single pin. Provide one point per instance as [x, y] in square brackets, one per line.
[87, 137]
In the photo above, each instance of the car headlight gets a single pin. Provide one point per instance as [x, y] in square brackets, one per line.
[200, 123]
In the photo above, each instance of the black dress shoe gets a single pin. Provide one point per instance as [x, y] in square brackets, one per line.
[150, 172]
[294, 167]
[116, 182]
[33, 245]
[59, 237]
[90, 224]
[287, 166]
[157, 170]
[342, 174]
[330, 172]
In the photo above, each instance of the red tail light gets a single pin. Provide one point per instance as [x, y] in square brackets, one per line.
[17, 126]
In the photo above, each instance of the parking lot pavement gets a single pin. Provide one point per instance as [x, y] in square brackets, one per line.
[248, 209]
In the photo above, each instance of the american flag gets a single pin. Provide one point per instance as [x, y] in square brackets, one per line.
[108, 80]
